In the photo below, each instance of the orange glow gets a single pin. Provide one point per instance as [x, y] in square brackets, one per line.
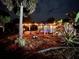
[54, 27]
[25, 24]
[51, 26]
[35, 24]
[54, 23]
[30, 24]
[24, 29]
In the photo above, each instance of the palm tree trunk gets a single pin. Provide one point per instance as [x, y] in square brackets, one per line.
[20, 24]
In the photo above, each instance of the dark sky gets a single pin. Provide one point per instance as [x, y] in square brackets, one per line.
[48, 8]
[56, 8]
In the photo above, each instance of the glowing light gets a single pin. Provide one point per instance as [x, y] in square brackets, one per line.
[51, 28]
[25, 24]
[24, 29]
[54, 23]
[60, 21]
[40, 27]
[67, 23]
[35, 24]
[54, 27]
[30, 24]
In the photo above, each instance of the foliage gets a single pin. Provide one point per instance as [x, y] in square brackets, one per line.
[21, 42]
[77, 18]
[29, 5]
[76, 25]
[8, 4]
[4, 19]
[69, 34]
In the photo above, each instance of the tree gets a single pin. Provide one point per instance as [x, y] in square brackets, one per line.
[71, 15]
[14, 5]
[28, 6]
[50, 20]
[4, 20]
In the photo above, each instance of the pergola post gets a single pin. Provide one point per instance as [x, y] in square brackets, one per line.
[30, 28]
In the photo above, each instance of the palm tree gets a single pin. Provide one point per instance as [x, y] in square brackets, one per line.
[28, 5]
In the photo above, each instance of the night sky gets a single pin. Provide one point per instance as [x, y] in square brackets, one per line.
[50, 8]
[56, 8]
